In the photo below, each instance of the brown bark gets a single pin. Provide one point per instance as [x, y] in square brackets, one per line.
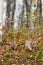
[28, 10]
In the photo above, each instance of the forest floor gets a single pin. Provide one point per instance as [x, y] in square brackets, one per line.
[18, 54]
[16, 57]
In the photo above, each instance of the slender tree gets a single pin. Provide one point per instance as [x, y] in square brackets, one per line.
[13, 10]
[39, 9]
[22, 15]
[8, 12]
[10, 9]
[28, 9]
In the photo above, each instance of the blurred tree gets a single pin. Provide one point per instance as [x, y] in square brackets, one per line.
[39, 9]
[22, 15]
[13, 10]
[28, 9]
[10, 10]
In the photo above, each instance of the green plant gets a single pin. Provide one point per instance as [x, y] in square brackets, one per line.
[25, 56]
[40, 57]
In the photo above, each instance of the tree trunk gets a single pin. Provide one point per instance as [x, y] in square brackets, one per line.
[13, 10]
[28, 10]
[22, 16]
[8, 12]
[39, 9]
[8, 8]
